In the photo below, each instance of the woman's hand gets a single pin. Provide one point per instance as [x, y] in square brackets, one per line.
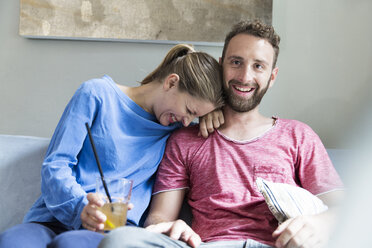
[211, 121]
[91, 218]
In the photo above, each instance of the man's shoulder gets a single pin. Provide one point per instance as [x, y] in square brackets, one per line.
[189, 133]
[187, 137]
[296, 128]
[293, 124]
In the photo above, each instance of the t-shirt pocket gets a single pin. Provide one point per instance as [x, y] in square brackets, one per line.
[271, 174]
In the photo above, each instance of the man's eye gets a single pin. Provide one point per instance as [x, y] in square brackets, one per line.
[258, 66]
[235, 62]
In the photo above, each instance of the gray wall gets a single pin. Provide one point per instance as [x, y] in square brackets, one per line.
[324, 65]
[325, 62]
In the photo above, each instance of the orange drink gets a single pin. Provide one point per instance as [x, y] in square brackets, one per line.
[116, 214]
[116, 211]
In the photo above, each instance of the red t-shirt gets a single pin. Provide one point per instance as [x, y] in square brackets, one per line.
[221, 173]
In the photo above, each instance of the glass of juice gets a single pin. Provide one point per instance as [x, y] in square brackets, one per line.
[120, 190]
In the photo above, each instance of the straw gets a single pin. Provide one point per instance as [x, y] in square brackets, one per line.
[98, 163]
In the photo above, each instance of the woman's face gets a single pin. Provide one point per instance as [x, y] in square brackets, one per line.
[178, 106]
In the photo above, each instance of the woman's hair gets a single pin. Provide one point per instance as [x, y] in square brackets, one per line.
[257, 29]
[200, 74]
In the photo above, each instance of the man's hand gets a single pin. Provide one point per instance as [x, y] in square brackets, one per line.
[177, 230]
[211, 121]
[311, 230]
[303, 231]
[91, 218]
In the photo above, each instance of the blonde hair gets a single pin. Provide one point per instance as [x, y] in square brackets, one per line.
[200, 74]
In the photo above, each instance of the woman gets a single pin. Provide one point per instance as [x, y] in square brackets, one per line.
[130, 126]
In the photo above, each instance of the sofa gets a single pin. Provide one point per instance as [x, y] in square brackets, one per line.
[20, 163]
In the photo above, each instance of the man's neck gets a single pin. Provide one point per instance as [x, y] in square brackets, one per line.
[246, 125]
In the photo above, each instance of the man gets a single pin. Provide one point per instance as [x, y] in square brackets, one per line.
[219, 173]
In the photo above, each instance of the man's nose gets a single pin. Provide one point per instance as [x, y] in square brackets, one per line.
[246, 75]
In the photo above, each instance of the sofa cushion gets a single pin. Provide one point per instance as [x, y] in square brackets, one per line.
[287, 201]
[20, 163]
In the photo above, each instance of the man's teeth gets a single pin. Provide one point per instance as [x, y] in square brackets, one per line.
[173, 118]
[243, 89]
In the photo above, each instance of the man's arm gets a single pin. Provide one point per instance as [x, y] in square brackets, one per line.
[162, 218]
[313, 230]
[165, 206]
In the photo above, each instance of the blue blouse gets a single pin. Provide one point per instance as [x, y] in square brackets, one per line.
[130, 143]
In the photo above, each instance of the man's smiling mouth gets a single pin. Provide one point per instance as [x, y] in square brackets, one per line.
[243, 89]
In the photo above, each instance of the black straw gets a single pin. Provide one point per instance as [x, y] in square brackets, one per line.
[98, 163]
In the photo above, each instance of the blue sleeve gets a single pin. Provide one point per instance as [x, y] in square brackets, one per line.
[63, 195]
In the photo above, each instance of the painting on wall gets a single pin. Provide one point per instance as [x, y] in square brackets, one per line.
[171, 21]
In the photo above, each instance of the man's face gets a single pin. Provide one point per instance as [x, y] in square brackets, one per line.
[248, 73]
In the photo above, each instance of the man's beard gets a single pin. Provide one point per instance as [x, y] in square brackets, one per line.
[240, 104]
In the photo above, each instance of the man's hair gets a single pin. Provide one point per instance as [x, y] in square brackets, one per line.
[257, 29]
[200, 74]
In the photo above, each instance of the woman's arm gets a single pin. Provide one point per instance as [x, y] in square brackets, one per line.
[63, 195]
[211, 121]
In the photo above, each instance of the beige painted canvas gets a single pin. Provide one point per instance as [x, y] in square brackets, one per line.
[138, 20]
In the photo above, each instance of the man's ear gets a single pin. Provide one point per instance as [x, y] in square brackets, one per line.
[274, 74]
[220, 60]
[171, 81]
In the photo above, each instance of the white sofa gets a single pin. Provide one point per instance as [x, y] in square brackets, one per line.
[20, 162]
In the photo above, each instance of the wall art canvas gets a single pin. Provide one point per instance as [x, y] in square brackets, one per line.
[196, 21]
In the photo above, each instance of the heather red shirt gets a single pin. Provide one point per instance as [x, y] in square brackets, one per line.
[221, 173]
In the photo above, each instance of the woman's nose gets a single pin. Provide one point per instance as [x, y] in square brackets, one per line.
[186, 121]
